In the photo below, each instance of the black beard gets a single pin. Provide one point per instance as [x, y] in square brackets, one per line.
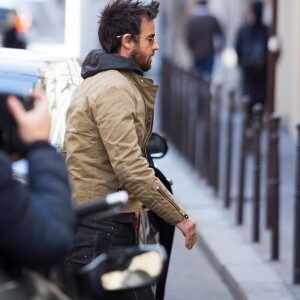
[139, 59]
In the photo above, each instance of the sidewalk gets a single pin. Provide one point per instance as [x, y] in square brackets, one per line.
[243, 265]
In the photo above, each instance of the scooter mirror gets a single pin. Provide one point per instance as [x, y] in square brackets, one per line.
[123, 268]
[157, 146]
[142, 270]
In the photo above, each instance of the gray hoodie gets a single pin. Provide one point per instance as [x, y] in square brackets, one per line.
[98, 60]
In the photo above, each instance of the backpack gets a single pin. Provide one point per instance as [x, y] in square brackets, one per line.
[253, 50]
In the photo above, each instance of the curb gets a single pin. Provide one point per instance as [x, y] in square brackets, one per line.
[243, 270]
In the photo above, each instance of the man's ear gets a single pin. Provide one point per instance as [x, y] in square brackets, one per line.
[127, 41]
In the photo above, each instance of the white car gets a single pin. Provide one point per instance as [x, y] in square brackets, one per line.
[22, 70]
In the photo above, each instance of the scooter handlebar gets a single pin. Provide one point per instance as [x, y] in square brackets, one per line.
[117, 199]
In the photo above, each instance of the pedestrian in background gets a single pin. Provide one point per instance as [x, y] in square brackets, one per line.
[11, 37]
[109, 122]
[252, 51]
[204, 37]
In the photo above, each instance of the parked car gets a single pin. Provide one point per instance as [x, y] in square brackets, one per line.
[22, 70]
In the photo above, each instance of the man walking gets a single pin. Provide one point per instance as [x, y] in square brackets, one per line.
[109, 122]
[252, 51]
[204, 37]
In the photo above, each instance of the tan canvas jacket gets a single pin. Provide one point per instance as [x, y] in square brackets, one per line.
[109, 122]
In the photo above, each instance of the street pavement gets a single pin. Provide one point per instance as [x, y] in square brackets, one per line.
[225, 252]
[192, 276]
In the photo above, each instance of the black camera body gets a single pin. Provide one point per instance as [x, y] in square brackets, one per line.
[9, 137]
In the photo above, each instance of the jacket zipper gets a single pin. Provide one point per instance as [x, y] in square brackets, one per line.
[172, 202]
[145, 152]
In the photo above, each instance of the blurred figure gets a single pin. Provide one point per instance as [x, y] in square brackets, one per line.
[204, 37]
[12, 39]
[13, 32]
[252, 52]
[36, 220]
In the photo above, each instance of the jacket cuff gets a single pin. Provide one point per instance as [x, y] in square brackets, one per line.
[37, 145]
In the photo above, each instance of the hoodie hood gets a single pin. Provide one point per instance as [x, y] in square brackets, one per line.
[98, 61]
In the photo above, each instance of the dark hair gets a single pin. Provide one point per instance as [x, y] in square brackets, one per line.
[120, 17]
[257, 8]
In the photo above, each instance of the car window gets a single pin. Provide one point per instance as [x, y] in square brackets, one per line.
[59, 79]
[21, 71]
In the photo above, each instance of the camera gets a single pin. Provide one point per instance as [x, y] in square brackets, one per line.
[9, 137]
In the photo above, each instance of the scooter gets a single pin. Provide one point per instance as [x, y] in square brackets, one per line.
[158, 253]
[124, 268]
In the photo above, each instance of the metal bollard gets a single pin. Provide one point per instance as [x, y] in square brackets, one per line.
[199, 147]
[207, 129]
[215, 142]
[296, 262]
[166, 96]
[200, 143]
[177, 118]
[257, 111]
[169, 100]
[212, 148]
[184, 113]
[227, 200]
[269, 207]
[273, 185]
[242, 159]
[193, 110]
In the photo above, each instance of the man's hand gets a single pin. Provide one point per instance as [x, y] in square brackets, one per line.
[34, 125]
[188, 229]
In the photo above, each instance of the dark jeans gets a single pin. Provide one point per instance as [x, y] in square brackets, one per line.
[95, 237]
[204, 65]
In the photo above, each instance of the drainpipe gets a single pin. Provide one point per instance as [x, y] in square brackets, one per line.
[273, 47]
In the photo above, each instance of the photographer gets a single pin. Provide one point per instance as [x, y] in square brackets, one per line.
[36, 220]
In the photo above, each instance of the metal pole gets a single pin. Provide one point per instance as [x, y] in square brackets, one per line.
[269, 207]
[229, 149]
[272, 59]
[216, 140]
[274, 186]
[207, 129]
[164, 93]
[192, 140]
[178, 115]
[296, 263]
[243, 146]
[257, 111]
[200, 125]
[184, 113]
